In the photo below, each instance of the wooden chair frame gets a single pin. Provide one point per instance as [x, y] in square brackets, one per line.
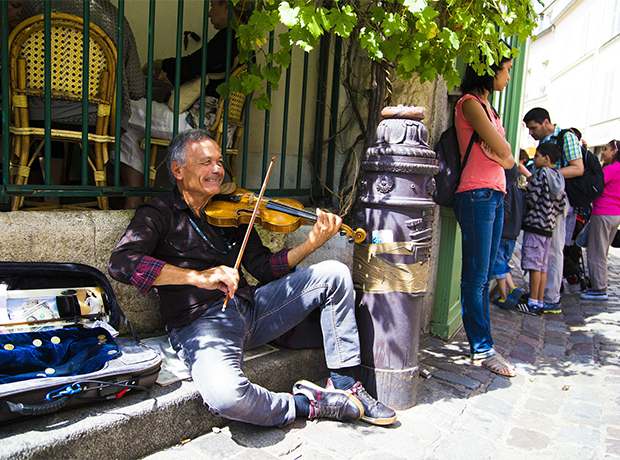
[26, 60]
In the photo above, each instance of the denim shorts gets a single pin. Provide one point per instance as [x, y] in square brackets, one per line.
[535, 252]
[504, 254]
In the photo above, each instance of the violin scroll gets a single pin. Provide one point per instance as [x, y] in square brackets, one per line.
[358, 235]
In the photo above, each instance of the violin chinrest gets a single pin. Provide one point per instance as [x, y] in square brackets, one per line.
[227, 188]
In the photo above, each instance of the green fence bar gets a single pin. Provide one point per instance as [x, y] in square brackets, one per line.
[267, 118]
[229, 38]
[322, 161]
[6, 107]
[333, 114]
[287, 92]
[203, 68]
[85, 91]
[177, 68]
[47, 83]
[302, 121]
[321, 96]
[149, 92]
[119, 92]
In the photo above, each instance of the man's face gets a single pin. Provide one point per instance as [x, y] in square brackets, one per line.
[203, 171]
[538, 130]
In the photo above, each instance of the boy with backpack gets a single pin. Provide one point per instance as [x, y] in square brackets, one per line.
[545, 200]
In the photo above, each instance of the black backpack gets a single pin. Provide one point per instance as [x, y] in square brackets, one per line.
[583, 190]
[449, 161]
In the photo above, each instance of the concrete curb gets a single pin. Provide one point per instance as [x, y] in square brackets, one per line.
[140, 424]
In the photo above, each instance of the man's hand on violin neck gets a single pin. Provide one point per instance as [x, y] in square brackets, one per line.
[326, 226]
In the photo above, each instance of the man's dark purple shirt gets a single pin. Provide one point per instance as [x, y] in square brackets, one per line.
[161, 233]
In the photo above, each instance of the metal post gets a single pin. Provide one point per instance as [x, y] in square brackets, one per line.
[392, 268]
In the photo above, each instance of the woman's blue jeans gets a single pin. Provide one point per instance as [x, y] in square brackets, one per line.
[480, 213]
[212, 345]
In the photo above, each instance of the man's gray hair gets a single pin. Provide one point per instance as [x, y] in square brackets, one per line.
[177, 148]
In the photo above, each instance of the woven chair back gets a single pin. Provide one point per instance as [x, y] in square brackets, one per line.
[66, 51]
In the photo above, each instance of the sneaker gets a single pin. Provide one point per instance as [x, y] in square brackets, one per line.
[374, 412]
[594, 295]
[516, 294]
[507, 304]
[552, 307]
[329, 402]
[524, 307]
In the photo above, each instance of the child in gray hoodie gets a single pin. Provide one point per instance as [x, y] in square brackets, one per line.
[545, 200]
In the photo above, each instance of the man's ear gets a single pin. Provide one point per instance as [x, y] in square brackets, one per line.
[177, 170]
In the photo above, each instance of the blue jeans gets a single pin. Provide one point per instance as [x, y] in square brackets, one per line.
[480, 213]
[504, 254]
[212, 345]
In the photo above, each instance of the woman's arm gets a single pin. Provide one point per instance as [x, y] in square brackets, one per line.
[499, 149]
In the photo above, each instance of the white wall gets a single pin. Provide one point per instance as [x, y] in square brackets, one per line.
[137, 13]
[573, 69]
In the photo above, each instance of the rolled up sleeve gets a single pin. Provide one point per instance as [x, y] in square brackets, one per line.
[145, 273]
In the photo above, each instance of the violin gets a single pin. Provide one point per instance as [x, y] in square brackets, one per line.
[281, 215]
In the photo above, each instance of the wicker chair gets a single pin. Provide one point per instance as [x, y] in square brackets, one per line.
[27, 80]
[236, 117]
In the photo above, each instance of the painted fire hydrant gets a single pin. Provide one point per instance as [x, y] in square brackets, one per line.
[391, 268]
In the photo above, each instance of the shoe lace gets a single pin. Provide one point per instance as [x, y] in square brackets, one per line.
[323, 410]
[360, 393]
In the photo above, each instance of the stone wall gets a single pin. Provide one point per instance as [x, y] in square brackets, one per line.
[89, 237]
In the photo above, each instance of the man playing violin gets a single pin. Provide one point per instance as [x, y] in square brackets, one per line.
[170, 247]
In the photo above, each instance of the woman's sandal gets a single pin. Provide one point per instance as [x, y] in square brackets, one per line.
[497, 364]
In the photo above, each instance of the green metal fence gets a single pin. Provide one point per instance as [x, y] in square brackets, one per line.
[315, 159]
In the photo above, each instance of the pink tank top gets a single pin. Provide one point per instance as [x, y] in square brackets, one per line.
[480, 171]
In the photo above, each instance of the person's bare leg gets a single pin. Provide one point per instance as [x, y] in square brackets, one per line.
[131, 178]
[535, 284]
[541, 288]
[510, 284]
[501, 284]
[55, 177]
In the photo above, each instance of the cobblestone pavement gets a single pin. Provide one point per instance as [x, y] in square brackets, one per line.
[563, 404]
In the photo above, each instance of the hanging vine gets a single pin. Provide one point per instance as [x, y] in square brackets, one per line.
[402, 39]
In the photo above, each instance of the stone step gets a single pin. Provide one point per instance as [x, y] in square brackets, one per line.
[141, 423]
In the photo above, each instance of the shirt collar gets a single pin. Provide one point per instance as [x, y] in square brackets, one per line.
[555, 133]
[178, 200]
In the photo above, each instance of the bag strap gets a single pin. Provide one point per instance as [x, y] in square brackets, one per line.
[471, 144]
[475, 134]
[559, 140]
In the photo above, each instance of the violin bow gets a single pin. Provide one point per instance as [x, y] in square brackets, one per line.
[251, 224]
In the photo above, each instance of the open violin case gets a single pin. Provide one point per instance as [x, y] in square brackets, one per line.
[58, 344]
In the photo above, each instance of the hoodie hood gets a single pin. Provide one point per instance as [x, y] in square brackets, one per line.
[556, 182]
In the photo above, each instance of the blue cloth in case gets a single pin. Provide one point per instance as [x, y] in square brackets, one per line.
[54, 353]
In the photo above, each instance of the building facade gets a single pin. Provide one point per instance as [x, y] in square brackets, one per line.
[573, 69]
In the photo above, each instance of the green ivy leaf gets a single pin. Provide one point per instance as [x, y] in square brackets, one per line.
[415, 6]
[288, 15]
[262, 102]
[419, 36]
[344, 21]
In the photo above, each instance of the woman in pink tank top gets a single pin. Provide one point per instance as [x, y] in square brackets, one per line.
[479, 206]
[604, 224]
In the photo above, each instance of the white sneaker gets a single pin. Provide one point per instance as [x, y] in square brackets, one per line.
[594, 295]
